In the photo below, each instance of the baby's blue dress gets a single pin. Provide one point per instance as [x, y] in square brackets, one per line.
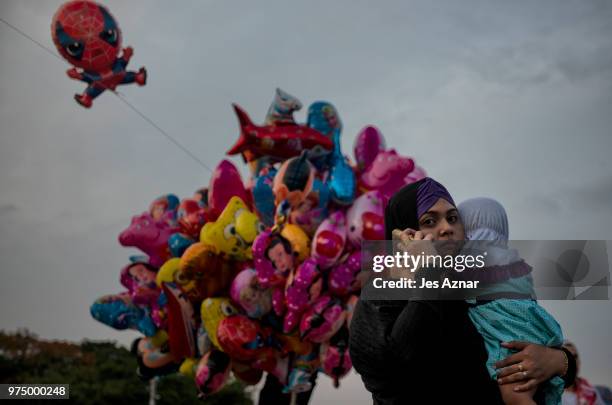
[505, 320]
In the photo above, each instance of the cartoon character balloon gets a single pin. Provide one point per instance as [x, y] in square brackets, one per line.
[212, 372]
[150, 236]
[263, 196]
[328, 242]
[181, 322]
[250, 295]
[387, 173]
[365, 218]
[88, 37]
[313, 210]
[119, 312]
[234, 231]
[324, 117]
[204, 272]
[323, 319]
[415, 175]
[282, 108]
[190, 217]
[153, 358]
[274, 259]
[139, 279]
[335, 357]
[294, 181]
[213, 311]
[244, 339]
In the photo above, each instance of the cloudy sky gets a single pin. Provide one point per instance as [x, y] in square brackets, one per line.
[505, 99]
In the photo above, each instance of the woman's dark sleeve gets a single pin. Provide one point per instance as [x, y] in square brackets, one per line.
[441, 351]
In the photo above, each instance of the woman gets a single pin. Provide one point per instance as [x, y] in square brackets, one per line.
[429, 351]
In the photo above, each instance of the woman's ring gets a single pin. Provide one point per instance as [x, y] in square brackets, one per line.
[524, 374]
[520, 366]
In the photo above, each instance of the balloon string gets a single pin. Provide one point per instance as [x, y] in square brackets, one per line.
[120, 97]
[161, 131]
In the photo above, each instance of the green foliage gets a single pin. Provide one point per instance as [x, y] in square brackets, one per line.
[98, 373]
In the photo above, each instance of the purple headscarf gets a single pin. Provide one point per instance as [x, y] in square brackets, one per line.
[428, 193]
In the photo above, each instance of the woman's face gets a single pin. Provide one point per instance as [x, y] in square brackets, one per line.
[442, 222]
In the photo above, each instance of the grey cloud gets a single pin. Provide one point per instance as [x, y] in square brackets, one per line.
[505, 99]
[7, 209]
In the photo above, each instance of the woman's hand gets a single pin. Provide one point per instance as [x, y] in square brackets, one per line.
[533, 365]
[412, 242]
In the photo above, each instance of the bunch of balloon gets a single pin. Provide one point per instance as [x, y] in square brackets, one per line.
[259, 276]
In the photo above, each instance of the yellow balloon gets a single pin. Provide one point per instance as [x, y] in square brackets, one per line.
[188, 367]
[167, 270]
[213, 311]
[300, 242]
[159, 338]
[234, 231]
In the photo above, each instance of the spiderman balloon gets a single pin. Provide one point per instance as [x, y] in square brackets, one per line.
[89, 38]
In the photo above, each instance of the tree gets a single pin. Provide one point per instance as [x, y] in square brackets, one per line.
[98, 373]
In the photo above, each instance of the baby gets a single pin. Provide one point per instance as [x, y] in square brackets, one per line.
[505, 309]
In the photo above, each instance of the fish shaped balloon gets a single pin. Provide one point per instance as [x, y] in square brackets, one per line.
[276, 141]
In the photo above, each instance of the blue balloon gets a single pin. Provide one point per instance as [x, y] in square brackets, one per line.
[178, 243]
[323, 117]
[264, 197]
[139, 259]
[114, 311]
[324, 193]
[342, 181]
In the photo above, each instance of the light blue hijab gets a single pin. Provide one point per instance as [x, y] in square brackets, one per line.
[485, 219]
